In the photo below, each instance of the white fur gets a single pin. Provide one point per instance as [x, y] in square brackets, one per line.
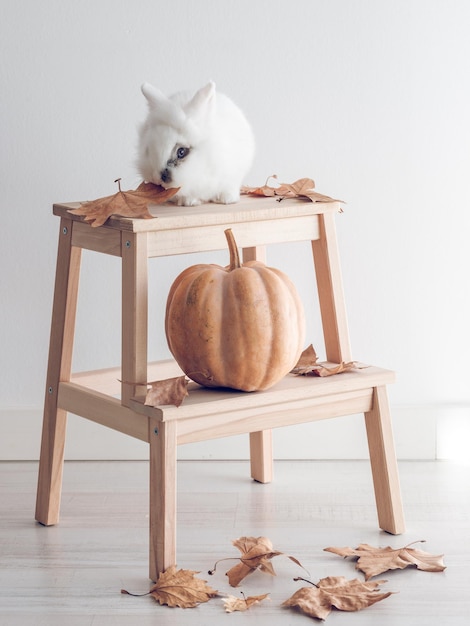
[215, 130]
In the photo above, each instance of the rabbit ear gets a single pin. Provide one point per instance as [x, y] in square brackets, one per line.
[202, 103]
[154, 96]
[164, 109]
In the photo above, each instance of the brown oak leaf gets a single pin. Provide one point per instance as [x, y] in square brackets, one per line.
[257, 553]
[336, 592]
[231, 603]
[132, 203]
[302, 188]
[179, 588]
[308, 365]
[168, 391]
[374, 561]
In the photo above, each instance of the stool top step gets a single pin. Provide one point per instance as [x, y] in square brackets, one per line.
[169, 216]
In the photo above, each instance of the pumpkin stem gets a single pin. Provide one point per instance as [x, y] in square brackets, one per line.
[232, 248]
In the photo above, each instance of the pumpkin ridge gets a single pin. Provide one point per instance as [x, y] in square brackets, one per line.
[212, 317]
[252, 350]
[282, 348]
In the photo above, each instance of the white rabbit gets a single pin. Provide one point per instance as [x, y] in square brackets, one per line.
[202, 144]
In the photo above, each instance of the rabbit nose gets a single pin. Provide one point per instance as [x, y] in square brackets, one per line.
[165, 175]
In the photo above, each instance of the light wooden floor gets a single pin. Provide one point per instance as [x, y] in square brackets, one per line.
[71, 574]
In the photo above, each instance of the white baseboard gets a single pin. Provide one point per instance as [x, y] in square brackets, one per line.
[421, 432]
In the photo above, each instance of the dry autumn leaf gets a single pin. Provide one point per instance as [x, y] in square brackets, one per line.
[374, 561]
[265, 190]
[168, 391]
[132, 203]
[231, 603]
[257, 553]
[336, 592]
[302, 188]
[308, 365]
[180, 588]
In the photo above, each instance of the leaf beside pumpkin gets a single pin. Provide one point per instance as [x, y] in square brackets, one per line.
[308, 365]
[167, 391]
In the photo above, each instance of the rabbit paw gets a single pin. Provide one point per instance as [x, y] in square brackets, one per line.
[227, 197]
[187, 201]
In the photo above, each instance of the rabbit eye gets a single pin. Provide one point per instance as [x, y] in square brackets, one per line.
[182, 152]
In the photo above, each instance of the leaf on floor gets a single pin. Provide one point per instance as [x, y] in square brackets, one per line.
[374, 561]
[232, 603]
[336, 592]
[180, 588]
[132, 203]
[256, 553]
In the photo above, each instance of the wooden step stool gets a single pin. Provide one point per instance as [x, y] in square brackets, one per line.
[205, 413]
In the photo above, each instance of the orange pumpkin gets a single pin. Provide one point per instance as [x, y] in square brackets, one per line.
[240, 326]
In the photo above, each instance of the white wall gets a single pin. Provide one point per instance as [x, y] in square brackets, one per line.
[369, 97]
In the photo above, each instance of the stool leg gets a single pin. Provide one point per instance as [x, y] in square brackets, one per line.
[384, 464]
[261, 455]
[330, 291]
[59, 367]
[162, 438]
[134, 315]
[261, 443]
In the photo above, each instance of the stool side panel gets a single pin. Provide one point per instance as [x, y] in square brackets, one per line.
[103, 239]
[276, 416]
[247, 234]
